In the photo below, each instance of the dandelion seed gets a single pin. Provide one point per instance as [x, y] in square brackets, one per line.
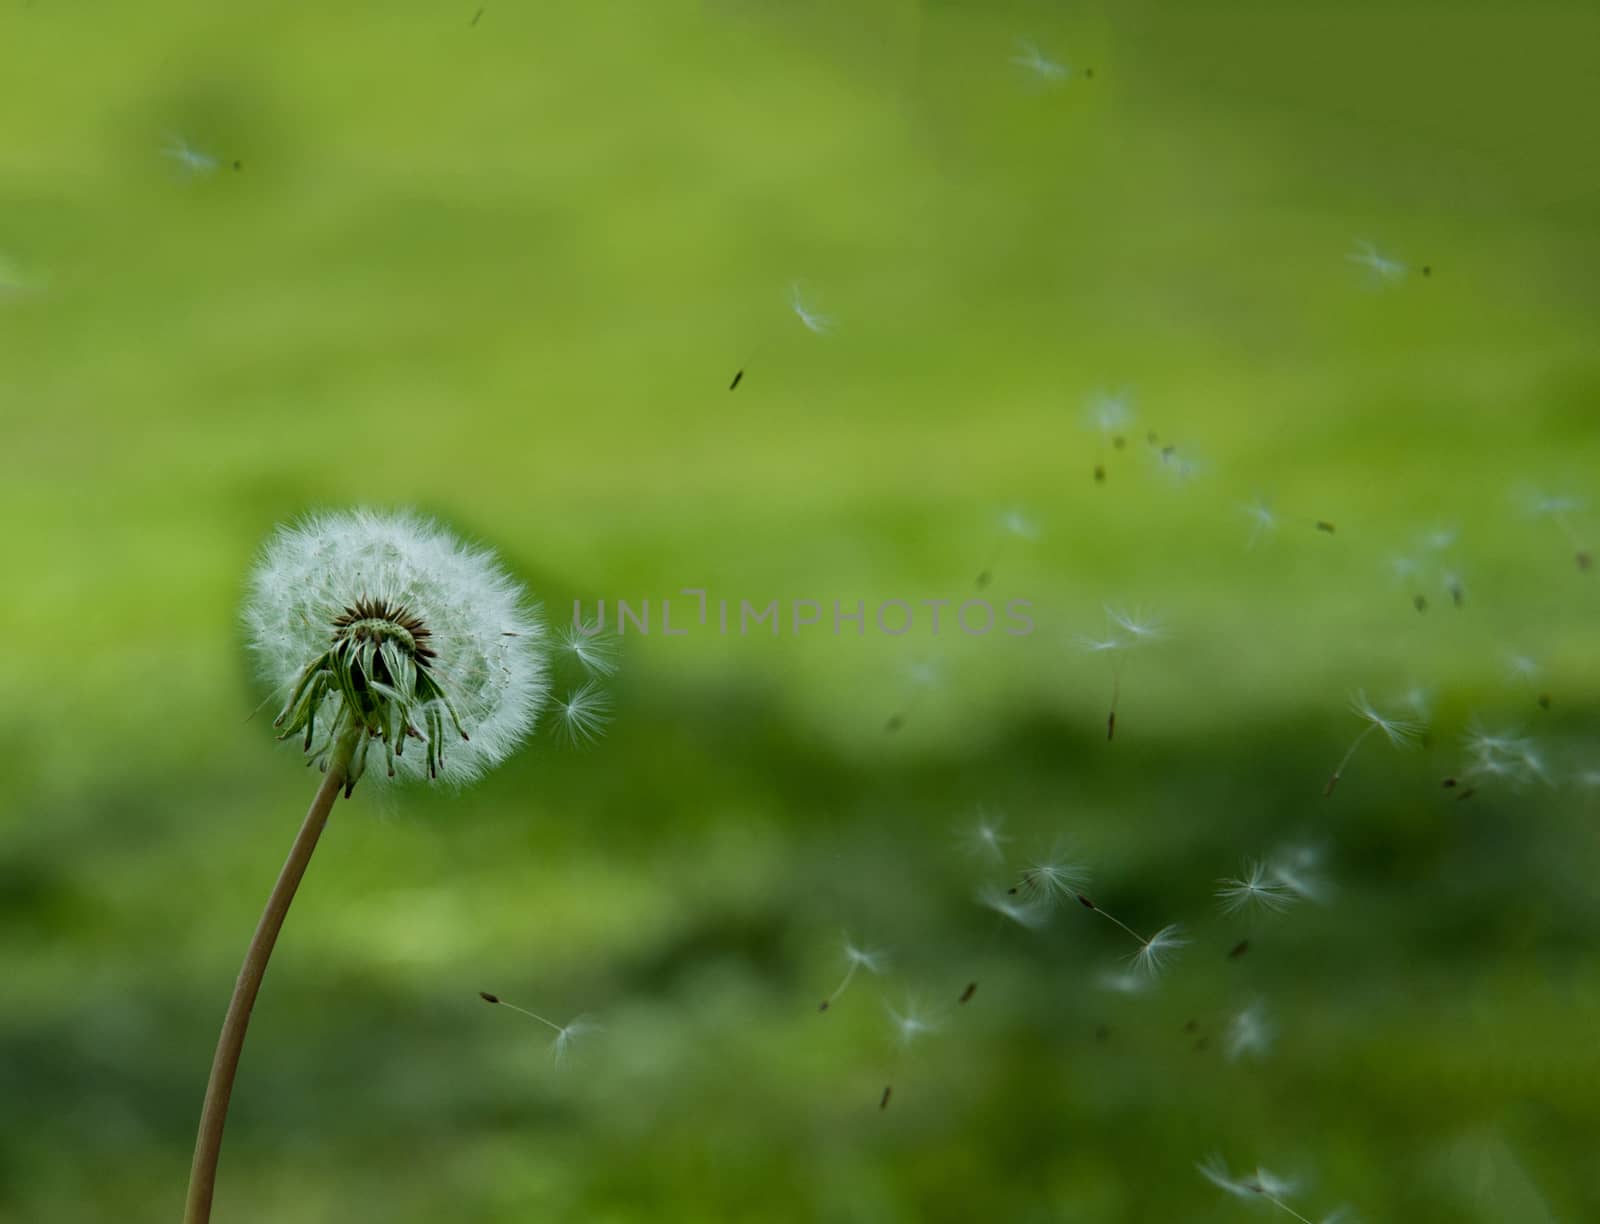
[1051, 878]
[883, 1101]
[911, 1024]
[856, 957]
[581, 717]
[1110, 415]
[1399, 732]
[1249, 1033]
[1523, 667]
[987, 837]
[595, 651]
[1136, 625]
[1031, 913]
[819, 323]
[1261, 1185]
[1382, 269]
[1151, 959]
[1558, 510]
[1263, 521]
[966, 995]
[1295, 870]
[736, 379]
[1256, 888]
[1029, 57]
[1325, 527]
[565, 1034]
[191, 161]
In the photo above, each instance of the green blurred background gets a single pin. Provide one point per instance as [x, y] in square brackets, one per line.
[501, 265]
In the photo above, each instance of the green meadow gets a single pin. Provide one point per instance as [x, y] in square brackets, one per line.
[500, 263]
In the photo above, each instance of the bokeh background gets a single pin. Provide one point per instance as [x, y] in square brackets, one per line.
[500, 262]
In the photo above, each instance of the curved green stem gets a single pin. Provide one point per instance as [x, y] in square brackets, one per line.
[214, 1113]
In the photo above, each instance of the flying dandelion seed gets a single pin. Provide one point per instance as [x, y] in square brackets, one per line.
[987, 838]
[1254, 889]
[818, 323]
[581, 716]
[1295, 869]
[1250, 1034]
[1030, 912]
[1029, 57]
[1153, 953]
[1400, 733]
[1013, 525]
[565, 1034]
[1381, 269]
[1051, 878]
[966, 995]
[1261, 1186]
[1139, 630]
[911, 1023]
[191, 162]
[736, 379]
[856, 957]
[923, 676]
[1559, 510]
[594, 651]
[1263, 521]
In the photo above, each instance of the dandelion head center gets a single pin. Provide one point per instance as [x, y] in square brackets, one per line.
[379, 622]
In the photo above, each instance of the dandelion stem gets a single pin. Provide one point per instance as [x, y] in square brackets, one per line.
[214, 1113]
[1140, 939]
[839, 989]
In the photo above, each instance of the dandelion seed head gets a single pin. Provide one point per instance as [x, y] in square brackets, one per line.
[430, 632]
[1263, 519]
[191, 161]
[1136, 624]
[987, 837]
[1382, 268]
[1015, 522]
[873, 960]
[1031, 58]
[1111, 415]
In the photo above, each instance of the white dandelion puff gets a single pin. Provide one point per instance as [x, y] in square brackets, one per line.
[1051, 878]
[387, 627]
[1295, 869]
[1110, 415]
[1262, 1185]
[1139, 626]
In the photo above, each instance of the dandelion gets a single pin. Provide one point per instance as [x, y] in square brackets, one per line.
[1501, 756]
[1382, 269]
[1261, 1185]
[1399, 732]
[565, 1034]
[1249, 1033]
[190, 161]
[582, 715]
[1030, 58]
[821, 324]
[856, 957]
[1254, 889]
[382, 628]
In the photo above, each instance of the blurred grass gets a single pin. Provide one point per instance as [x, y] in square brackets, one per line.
[504, 272]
